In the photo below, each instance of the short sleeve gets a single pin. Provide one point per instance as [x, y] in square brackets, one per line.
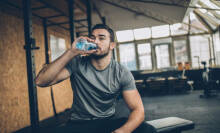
[71, 66]
[127, 81]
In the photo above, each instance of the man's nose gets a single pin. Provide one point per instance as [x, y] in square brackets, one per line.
[96, 40]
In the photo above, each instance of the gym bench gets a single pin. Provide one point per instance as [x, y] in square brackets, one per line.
[171, 125]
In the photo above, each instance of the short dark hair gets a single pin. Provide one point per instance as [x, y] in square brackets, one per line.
[103, 26]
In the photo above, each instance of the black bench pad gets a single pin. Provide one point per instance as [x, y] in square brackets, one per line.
[171, 124]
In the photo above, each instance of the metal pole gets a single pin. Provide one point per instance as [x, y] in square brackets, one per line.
[71, 18]
[89, 14]
[29, 47]
[48, 61]
[46, 41]
[103, 20]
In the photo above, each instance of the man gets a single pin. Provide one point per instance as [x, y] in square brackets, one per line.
[96, 80]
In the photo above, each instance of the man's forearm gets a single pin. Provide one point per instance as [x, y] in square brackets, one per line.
[49, 72]
[135, 118]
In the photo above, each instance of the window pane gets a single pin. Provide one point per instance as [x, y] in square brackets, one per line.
[217, 47]
[178, 29]
[196, 25]
[180, 51]
[143, 33]
[144, 48]
[162, 54]
[160, 31]
[144, 52]
[57, 46]
[127, 55]
[126, 35]
[210, 4]
[145, 62]
[199, 50]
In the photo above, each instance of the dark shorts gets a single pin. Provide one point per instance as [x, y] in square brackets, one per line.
[99, 126]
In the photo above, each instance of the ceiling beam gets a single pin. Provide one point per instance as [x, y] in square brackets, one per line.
[203, 21]
[34, 14]
[207, 17]
[81, 6]
[172, 4]
[216, 2]
[135, 11]
[56, 9]
[213, 12]
[98, 12]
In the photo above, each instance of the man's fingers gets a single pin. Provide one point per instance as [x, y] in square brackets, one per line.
[90, 51]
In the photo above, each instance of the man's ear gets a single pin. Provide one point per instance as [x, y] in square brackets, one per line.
[112, 45]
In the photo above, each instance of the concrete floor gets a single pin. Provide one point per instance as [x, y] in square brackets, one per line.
[205, 113]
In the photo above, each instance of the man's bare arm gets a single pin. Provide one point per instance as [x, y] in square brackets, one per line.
[136, 117]
[56, 72]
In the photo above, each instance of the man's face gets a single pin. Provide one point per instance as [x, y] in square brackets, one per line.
[102, 38]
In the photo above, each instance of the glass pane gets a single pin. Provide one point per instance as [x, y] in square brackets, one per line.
[127, 56]
[217, 47]
[144, 52]
[180, 51]
[210, 4]
[162, 54]
[199, 50]
[196, 25]
[57, 46]
[144, 48]
[145, 62]
[143, 33]
[126, 35]
[160, 31]
[178, 29]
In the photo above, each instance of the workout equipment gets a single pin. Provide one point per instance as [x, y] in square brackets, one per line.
[171, 125]
[210, 83]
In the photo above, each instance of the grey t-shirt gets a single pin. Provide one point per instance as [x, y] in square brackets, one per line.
[95, 91]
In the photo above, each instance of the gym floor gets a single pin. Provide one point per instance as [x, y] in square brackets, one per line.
[204, 112]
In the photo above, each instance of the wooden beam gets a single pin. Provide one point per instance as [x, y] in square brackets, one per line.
[207, 17]
[203, 21]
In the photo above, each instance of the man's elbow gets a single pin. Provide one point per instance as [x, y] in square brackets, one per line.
[39, 83]
[142, 113]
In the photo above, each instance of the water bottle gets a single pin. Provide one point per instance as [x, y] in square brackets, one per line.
[83, 44]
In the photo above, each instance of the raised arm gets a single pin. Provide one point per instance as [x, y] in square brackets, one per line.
[56, 72]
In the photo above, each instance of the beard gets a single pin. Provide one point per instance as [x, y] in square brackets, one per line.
[100, 56]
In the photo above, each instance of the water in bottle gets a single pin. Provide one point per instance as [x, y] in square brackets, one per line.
[83, 44]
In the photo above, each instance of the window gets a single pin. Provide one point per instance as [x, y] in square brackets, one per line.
[143, 33]
[180, 51]
[124, 36]
[217, 47]
[160, 31]
[144, 52]
[57, 46]
[127, 56]
[162, 56]
[199, 50]
[178, 29]
[196, 25]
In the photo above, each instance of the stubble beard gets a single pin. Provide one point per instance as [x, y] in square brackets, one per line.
[100, 56]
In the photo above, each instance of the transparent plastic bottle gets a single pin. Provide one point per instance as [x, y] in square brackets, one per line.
[84, 45]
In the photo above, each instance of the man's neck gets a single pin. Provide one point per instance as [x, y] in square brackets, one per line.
[102, 63]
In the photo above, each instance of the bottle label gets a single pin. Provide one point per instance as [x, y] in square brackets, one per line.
[83, 44]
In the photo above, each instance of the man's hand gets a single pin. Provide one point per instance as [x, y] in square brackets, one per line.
[81, 52]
